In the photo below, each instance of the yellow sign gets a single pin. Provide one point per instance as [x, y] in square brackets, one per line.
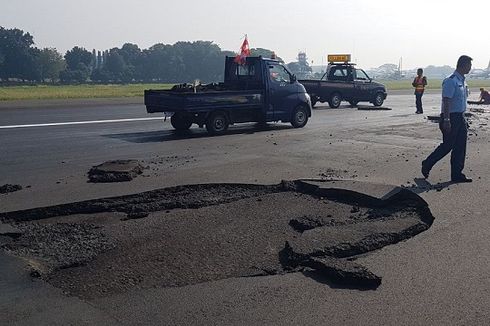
[338, 58]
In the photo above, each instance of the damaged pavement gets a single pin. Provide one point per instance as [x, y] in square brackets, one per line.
[200, 233]
[207, 236]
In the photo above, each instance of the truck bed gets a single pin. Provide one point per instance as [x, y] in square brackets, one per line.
[174, 101]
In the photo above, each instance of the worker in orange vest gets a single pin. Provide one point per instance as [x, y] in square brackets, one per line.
[419, 82]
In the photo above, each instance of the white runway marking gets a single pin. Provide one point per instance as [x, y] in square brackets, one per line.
[77, 123]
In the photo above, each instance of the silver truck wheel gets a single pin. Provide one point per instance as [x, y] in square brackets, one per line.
[217, 123]
[335, 100]
[300, 117]
[378, 99]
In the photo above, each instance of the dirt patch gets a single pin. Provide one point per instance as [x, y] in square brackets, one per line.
[192, 234]
[115, 171]
[6, 188]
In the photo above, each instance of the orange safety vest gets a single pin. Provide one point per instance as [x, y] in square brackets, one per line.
[419, 84]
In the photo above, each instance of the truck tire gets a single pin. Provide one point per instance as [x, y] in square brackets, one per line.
[300, 117]
[314, 100]
[180, 123]
[378, 99]
[334, 101]
[217, 123]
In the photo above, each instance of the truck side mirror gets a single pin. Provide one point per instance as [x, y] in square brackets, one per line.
[293, 79]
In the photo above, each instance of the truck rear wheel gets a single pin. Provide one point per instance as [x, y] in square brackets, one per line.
[217, 123]
[378, 99]
[180, 122]
[335, 100]
[300, 117]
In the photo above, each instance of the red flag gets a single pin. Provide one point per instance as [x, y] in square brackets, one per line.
[244, 52]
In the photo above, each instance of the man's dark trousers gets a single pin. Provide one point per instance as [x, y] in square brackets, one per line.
[418, 101]
[454, 142]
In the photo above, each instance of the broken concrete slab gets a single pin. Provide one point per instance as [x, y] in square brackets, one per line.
[344, 272]
[115, 171]
[8, 233]
[9, 230]
[364, 193]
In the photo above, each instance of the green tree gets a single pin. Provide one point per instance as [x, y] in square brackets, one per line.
[266, 53]
[131, 54]
[17, 57]
[76, 56]
[51, 63]
[78, 65]
[159, 64]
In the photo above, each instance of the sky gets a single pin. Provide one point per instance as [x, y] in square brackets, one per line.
[375, 32]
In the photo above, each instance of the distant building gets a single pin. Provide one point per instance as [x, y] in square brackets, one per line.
[301, 68]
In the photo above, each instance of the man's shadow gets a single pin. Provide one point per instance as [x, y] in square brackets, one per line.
[422, 185]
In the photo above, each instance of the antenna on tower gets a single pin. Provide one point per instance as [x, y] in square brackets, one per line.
[400, 67]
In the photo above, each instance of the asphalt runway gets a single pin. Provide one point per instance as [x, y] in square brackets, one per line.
[439, 277]
[44, 145]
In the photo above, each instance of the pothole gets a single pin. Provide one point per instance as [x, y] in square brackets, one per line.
[199, 233]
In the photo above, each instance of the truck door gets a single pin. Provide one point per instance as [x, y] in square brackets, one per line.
[362, 84]
[282, 91]
[344, 82]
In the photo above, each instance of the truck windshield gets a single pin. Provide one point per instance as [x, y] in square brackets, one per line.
[279, 74]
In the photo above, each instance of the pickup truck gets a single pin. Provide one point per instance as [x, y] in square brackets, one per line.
[344, 82]
[259, 90]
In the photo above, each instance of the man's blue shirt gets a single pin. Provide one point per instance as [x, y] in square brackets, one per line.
[454, 87]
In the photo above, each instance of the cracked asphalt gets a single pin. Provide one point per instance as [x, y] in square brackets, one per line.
[437, 277]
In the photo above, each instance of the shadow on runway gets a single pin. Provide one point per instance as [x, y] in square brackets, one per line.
[321, 107]
[171, 135]
[422, 185]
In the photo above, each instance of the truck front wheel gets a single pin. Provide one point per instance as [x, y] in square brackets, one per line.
[217, 123]
[180, 123]
[378, 99]
[300, 117]
[314, 100]
[335, 100]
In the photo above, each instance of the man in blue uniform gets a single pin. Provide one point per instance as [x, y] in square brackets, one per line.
[453, 123]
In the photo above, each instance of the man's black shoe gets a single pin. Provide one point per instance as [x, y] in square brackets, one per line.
[461, 179]
[425, 170]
